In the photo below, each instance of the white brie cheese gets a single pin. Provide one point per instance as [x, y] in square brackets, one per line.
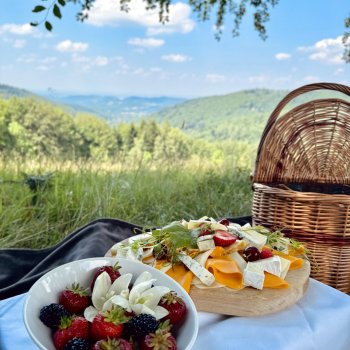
[272, 265]
[285, 267]
[253, 238]
[241, 263]
[253, 276]
[206, 244]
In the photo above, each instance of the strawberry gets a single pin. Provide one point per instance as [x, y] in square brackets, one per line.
[74, 299]
[160, 340]
[112, 344]
[109, 323]
[175, 305]
[113, 272]
[266, 253]
[223, 238]
[69, 328]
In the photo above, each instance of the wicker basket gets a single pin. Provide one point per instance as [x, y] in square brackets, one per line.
[309, 148]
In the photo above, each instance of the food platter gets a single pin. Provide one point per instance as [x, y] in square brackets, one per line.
[248, 301]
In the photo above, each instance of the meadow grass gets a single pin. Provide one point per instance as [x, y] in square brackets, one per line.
[141, 193]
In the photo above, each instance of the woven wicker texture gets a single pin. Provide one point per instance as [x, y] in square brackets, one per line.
[309, 145]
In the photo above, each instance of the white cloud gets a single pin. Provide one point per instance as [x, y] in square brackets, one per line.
[18, 44]
[70, 46]
[89, 62]
[282, 56]
[339, 71]
[215, 78]
[311, 79]
[17, 29]
[257, 79]
[149, 42]
[107, 12]
[43, 68]
[176, 58]
[326, 50]
[29, 58]
[47, 60]
[101, 61]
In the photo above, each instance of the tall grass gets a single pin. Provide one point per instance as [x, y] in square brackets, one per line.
[145, 194]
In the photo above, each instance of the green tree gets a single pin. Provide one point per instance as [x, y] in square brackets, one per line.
[7, 141]
[40, 128]
[98, 137]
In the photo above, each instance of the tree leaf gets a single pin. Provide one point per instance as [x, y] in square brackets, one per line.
[56, 11]
[38, 8]
[62, 2]
[48, 26]
[34, 24]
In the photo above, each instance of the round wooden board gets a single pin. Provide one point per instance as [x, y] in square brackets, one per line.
[250, 301]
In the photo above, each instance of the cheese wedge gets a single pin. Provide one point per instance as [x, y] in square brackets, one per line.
[254, 277]
[272, 265]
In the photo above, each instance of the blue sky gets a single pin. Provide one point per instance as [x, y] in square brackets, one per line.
[120, 54]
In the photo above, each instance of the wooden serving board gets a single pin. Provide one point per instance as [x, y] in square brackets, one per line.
[250, 301]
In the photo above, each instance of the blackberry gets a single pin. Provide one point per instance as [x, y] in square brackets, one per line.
[50, 315]
[77, 344]
[141, 325]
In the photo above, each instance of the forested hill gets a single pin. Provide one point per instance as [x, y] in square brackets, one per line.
[240, 115]
[7, 91]
[237, 116]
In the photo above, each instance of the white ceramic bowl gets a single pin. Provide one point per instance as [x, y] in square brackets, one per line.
[46, 291]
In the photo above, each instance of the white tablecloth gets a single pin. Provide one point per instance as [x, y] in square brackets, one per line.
[319, 321]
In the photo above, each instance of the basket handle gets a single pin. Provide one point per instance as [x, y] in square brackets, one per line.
[289, 97]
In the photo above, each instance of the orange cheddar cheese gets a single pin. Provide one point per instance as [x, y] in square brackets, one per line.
[218, 252]
[272, 281]
[225, 271]
[181, 275]
[295, 263]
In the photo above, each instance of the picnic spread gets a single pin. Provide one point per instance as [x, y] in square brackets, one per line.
[285, 269]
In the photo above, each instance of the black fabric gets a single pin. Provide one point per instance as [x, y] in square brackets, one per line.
[20, 268]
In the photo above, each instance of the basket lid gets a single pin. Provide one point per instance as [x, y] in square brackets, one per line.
[308, 144]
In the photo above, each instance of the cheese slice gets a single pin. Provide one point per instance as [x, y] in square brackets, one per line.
[218, 252]
[206, 244]
[241, 263]
[295, 263]
[253, 277]
[225, 271]
[285, 267]
[203, 274]
[181, 275]
[253, 238]
[272, 265]
[272, 281]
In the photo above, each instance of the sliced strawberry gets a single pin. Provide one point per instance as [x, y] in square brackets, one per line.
[109, 324]
[223, 238]
[75, 299]
[175, 305]
[265, 254]
[69, 328]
